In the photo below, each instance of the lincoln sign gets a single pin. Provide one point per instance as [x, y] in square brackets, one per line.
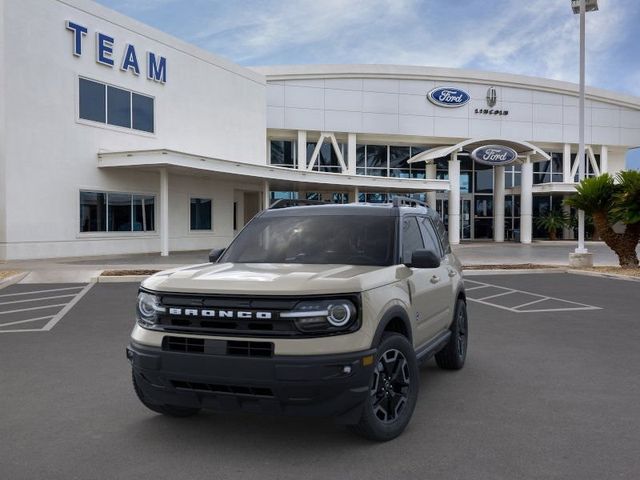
[494, 155]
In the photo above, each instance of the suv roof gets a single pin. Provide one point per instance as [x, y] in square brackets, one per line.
[312, 208]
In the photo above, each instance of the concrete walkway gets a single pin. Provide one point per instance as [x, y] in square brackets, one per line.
[83, 269]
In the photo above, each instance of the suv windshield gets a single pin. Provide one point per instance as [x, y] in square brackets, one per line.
[330, 239]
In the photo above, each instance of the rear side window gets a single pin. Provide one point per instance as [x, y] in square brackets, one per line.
[430, 236]
[441, 230]
[411, 238]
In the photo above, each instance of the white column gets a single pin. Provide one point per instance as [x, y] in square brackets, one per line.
[302, 150]
[351, 154]
[604, 159]
[498, 204]
[356, 194]
[454, 199]
[164, 212]
[566, 164]
[526, 202]
[266, 195]
[431, 173]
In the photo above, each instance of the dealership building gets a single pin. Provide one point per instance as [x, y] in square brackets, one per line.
[118, 138]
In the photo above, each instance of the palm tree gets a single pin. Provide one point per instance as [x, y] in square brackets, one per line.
[609, 202]
[552, 221]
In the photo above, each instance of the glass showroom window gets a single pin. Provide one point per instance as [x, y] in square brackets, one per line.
[388, 161]
[201, 213]
[327, 159]
[549, 170]
[283, 153]
[116, 212]
[103, 103]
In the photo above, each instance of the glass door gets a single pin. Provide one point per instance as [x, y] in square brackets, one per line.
[466, 220]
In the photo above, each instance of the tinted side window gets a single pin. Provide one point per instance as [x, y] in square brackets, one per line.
[411, 238]
[441, 230]
[430, 236]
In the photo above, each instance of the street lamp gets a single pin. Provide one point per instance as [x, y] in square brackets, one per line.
[580, 7]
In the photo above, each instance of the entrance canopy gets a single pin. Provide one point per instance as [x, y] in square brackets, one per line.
[522, 148]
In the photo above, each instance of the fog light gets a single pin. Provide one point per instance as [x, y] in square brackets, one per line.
[368, 360]
[346, 369]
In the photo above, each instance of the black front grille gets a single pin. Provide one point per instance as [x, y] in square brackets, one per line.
[218, 388]
[250, 349]
[183, 344]
[217, 347]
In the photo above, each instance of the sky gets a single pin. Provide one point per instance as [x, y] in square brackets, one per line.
[529, 37]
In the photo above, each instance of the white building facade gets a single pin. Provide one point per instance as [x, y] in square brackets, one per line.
[117, 138]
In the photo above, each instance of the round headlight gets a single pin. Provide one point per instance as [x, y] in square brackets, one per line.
[339, 314]
[148, 307]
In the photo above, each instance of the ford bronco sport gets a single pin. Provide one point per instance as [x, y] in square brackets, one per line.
[311, 310]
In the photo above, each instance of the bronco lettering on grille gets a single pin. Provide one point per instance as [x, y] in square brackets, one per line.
[212, 313]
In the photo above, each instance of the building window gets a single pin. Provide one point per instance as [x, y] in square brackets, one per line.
[549, 170]
[283, 153]
[111, 105]
[116, 212]
[389, 161]
[201, 214]
[327, 160]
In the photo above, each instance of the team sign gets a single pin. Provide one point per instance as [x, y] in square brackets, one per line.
[156, 65]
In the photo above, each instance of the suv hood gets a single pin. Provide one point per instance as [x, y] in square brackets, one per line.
[271, 278]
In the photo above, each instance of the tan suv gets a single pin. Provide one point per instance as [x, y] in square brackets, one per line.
[312, 310]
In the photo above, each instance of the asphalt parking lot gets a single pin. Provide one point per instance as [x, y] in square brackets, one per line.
[550, 390]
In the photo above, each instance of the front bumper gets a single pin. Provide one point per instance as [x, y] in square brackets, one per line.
[320, 385]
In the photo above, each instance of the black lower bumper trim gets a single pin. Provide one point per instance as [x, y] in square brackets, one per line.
[319, 385]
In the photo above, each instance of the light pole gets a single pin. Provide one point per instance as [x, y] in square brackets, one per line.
[580, 7]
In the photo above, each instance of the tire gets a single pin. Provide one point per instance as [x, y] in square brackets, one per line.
[453, 356]
[169, 410]
[393, 390]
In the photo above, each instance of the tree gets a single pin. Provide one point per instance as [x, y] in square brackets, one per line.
[552, 221]
[610, 202]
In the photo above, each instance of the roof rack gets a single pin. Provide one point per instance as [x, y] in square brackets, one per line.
[295, 202]
[400, 201]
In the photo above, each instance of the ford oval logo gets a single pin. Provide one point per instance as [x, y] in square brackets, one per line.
[494, 155]
[448, 97]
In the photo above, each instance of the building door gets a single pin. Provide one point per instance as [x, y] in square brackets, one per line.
[466, 217]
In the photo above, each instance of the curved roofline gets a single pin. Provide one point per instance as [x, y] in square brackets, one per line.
[521, 147]
[412, 72]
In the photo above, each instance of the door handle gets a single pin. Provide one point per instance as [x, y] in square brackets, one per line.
[435, 279]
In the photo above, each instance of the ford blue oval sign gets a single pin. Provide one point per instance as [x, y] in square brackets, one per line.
[448, 97]
[494, 155]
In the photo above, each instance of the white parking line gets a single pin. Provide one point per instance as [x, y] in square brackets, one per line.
[38, 299]
[41, 291]
[32, 308]
[53, 319]
[520, 308]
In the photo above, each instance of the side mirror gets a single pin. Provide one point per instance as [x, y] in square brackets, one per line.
[215, 254]
[424, 259]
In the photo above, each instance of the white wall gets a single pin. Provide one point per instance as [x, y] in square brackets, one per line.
[399, 106]
[208, 106]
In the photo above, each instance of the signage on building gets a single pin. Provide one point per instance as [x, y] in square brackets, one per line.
[492, 97]
[494, 155]
[448, 97]
[156, 65]
[491, 111]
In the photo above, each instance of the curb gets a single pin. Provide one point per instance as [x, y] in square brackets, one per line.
[12, 279]
[518, 271]
[613, 276]
[120, 279]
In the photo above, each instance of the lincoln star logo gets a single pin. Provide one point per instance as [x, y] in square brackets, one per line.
[215, 313]
[448, 97]
[494, 155]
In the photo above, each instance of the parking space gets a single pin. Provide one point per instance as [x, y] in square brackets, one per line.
[550, 394]
[37, 307]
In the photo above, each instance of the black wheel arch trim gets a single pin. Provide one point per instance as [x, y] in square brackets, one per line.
[395, 312]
